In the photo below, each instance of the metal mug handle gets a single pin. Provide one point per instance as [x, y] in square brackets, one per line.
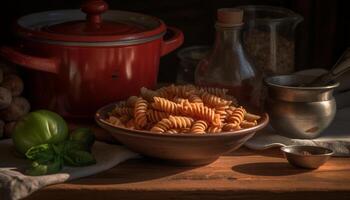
[50, 65]
[172, 43]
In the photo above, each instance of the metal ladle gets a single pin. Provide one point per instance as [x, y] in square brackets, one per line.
[340, 67]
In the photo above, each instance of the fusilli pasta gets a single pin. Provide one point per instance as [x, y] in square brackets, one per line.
[165, 105]
[214, 129]
[173, 122]
[237, 116]
[214, 101]
[202, 112]
[155, 115]
[140, 111]
[199, 127]
[123, 111]
[182, 109]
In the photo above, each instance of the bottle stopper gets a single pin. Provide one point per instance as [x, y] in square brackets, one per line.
[230, 17]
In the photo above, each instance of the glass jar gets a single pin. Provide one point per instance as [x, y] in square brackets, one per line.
[227, 66]
[269, 38]
[189, 58]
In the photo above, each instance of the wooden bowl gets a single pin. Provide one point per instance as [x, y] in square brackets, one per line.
[181, 149]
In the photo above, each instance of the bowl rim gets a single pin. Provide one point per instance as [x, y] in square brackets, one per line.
[98, 118]
[331, 152]
[269, 82]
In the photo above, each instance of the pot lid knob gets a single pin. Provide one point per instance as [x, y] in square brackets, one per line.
[93, 10]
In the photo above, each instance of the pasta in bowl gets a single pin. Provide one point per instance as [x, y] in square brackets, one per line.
[184, 124]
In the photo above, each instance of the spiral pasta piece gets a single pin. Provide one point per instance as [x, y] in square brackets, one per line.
[180, 122]
[248, 124]
[180, 100]
[202, 112]
[214, 129]
[148, 94]
[237, 116]
[182, 91]
[185, 91]
[173, 122]
[115, 121]
[215, 91]
[155, 115]
[199, 127]
[140, 113]
[251, 117]
[185, 130]
[165, 105]
[231, 127]
[120, 111]
[193, 98]
[173, 131]
[162, 126]
[230, 110]
[124, 118]
[231, 98]
[214, 101]
[220, 92]
[222, 112]
[121, 104]
[180, 130]
[131, 101]
[166, 92]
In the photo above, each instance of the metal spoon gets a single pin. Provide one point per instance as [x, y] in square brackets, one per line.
[340, 67]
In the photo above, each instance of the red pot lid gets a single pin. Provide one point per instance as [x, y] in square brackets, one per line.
[96, 25]
[85, 29]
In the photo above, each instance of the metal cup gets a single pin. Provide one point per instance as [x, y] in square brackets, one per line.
[299, 112]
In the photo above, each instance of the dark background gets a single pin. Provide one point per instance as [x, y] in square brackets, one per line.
[320, 38]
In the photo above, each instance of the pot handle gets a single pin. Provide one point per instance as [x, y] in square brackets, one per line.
[174, 42]
[31, 62]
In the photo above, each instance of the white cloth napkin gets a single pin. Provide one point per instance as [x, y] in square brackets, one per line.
[335, 137]
[15, 185]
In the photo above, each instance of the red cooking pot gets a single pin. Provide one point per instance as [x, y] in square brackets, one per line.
[80, 65]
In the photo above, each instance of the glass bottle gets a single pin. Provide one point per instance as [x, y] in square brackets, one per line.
[228, 65]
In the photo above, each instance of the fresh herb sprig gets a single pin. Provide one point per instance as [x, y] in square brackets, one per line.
[50, 158]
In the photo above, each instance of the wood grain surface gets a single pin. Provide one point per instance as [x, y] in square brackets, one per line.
[243, 174]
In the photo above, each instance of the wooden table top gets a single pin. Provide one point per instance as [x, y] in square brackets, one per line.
[243, 174]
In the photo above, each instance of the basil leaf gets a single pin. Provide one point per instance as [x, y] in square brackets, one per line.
[55, 166]
[38, 169]
[59, 148]
[49, 158]
[69, 161]
[73, 145]
[84, 136]
[79, 158]
[43, 152]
